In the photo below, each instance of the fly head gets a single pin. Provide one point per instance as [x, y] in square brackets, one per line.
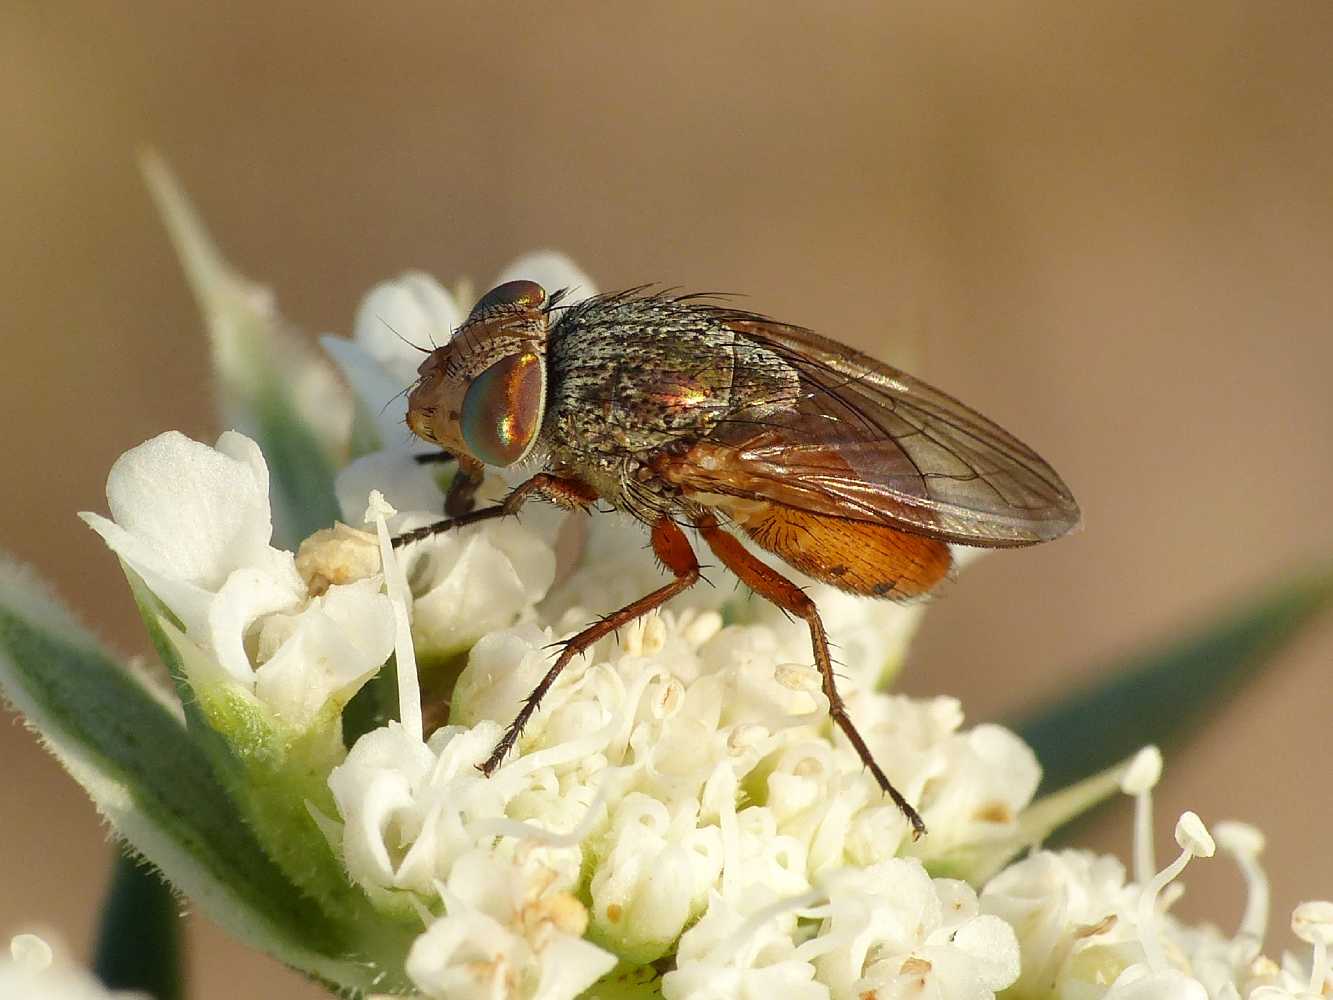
[482, 395]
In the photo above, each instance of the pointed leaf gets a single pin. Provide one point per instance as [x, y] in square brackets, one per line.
[273, 386]
[1159, 695]
[122, 742]
[272, 773]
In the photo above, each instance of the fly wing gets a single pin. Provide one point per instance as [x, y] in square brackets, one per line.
[852, 437]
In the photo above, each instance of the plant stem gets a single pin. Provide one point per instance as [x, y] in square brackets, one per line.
[139, 938]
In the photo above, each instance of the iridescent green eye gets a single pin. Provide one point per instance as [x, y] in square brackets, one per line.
[502, 409]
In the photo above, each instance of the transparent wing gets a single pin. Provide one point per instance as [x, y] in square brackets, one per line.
[856, 438]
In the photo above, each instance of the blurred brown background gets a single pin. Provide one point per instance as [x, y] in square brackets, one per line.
[1107, 224]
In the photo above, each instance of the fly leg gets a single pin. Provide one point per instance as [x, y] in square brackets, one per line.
[462, 494]
[567, 493]
[673, 549]
[771, 585]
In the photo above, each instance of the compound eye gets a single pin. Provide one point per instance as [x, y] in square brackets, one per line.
[502, 409]
[523, 294]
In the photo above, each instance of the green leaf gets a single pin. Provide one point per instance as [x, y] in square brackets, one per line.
[138, 940]
[626, 982]
[273, 773]
[273, 386]
[158, 789]
[1159, 695]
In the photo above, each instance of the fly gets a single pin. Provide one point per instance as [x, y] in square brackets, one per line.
[683, 412]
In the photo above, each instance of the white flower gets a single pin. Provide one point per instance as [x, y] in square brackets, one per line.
[189, 518]
[655, 878]
[325, 652]
[32, 973]
[892, 931]
[395, 322]
[1087, 934]
[1293, 979]
[502, 937]
[467, 584]
[1073, 914]
[681, 793]
[194, 523]
[1138, 982]
[726, 956]
[422, 827]
[411, 810]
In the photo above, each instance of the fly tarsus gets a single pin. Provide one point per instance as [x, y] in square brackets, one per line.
[673, 549]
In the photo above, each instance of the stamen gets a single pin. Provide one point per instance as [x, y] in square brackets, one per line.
[1195, 842]
[1245, 843]
[409, 689]
[1142, 775]
[1313, 924]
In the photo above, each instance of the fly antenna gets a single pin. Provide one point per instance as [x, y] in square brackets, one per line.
[415, 347]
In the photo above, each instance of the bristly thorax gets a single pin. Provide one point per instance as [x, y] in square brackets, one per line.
[630, 376]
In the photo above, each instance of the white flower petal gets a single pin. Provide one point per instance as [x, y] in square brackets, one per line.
[379, 392]
[32, 973]
[502, 669]
[1138, 983]
[248, 595]
[466, 955]
[375, 791]
[475, 581]
[725, 956]
[656, 877]
[186, 516]
[333, 647]
[404, 482]
[992, 946]
[400, 321]
[569, 966]
[501, 929]
[202, 511]
[990, 776]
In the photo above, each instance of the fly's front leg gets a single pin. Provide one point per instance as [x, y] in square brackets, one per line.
[673, 549]
[462, 495]
[771, 585]
[569, 493]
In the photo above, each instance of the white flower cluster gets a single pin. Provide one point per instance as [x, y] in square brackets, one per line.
[682, 776]
[1086, 933]
[679, 773]
[681, 792]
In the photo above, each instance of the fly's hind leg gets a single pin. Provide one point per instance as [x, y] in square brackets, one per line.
[771, 585]
[673, 549]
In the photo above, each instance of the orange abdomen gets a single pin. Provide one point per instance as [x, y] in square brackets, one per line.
[857, 556]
